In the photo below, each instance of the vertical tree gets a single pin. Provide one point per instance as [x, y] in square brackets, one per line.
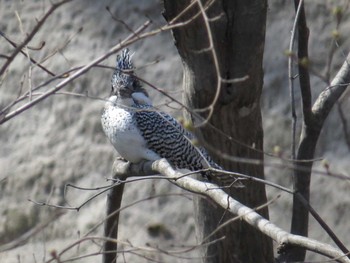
[313, 119]
[220, 42]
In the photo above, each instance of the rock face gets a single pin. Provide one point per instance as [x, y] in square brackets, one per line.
[60, 140]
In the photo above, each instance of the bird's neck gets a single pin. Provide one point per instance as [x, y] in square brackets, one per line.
[118, 101]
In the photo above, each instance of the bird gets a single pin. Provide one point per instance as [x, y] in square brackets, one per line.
[140, 132]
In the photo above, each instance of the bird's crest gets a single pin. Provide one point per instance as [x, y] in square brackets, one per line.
[123, 76]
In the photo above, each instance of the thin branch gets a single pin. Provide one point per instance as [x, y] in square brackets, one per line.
[331, 94]
[118, 210]
[231, 205]
[31, 59]
[344, 122]
[31, 34]
[291, 78]
[309, 137]
[32, 232]
[313, 119]
[47, 82]
[132, 249]
[121, 21]
[300, 215]
[303, 58]
[322, 223]
[62, 46]
[78, 73]
[129, 40]
[338, 14]
[216, 65]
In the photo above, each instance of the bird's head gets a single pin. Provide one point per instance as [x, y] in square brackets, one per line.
[124, 82]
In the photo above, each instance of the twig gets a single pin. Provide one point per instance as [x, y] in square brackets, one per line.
[216, 65]
[75, 75]
[303, 58]
[314, 117]
[300, 216]
[31, 59]
[32, 232]
[344, 122]
[331, 94]
[62, 46]
[31, 34]
[291, 78]
[120, 20]
[129, 40]
[132, 204]
[225, 201]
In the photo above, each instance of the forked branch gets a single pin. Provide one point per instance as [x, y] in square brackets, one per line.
[314, 117]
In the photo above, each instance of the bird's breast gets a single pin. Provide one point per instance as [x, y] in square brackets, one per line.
[121, 128]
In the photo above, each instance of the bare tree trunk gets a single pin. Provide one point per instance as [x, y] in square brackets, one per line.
[114, 199]
[237, 30]
[314, 117]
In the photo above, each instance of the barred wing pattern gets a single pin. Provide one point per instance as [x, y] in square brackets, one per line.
[166, 137]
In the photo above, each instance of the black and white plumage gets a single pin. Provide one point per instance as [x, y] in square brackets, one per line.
[140, 132]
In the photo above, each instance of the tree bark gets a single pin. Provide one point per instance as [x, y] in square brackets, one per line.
[313, 120]
[113, 204]
[237, 31]
[311, 130]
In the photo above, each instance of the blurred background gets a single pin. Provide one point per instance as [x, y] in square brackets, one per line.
[60, 140]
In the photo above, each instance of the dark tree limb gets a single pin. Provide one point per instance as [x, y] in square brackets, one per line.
[113, 204]
[303, 61]
[311, 128]
[300, 215]
[121, 171]
[313, 120]
[299, 8]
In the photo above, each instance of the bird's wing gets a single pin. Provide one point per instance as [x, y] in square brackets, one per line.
[166, 137]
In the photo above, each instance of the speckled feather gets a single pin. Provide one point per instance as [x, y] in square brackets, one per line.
[139, 132]
[165, 136]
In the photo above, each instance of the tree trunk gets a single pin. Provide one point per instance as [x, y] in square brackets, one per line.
[237, 29]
